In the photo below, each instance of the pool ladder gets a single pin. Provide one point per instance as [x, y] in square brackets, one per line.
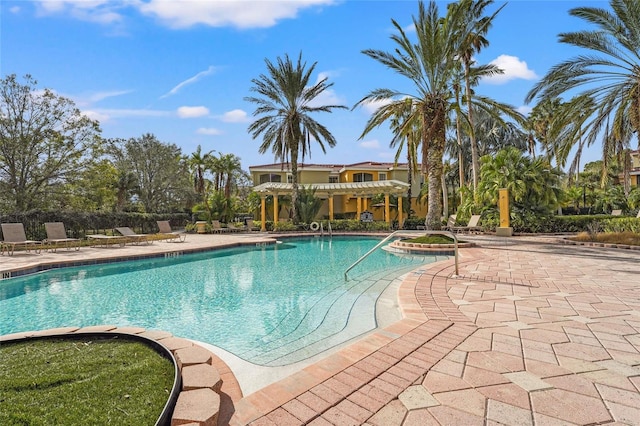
[406, 232]
[328, 229]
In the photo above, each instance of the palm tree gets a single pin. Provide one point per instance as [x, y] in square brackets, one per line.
[432, 65]
[609, 74]
[285, 102]
[198, 163]
[473, 41]
[429, 64]
[230, 169]
[410, 137]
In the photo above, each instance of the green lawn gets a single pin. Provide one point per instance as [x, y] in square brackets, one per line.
[432, 239]
[80, 382]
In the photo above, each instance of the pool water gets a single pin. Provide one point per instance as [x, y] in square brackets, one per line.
[270, 305]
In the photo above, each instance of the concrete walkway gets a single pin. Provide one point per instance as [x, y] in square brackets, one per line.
[530, 332]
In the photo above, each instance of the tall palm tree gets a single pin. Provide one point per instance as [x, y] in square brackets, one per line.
[473, 40]
[429, 64]
[432, 65]
[609, 74]
[285, 103]
[405, 135]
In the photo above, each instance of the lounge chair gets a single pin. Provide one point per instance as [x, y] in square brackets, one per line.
[250, 226]
[103, 240]
[472, 226]
[133, 237]
[57, 236]
[216, 227]
[451, 222]
[168, 234]
[13, 236]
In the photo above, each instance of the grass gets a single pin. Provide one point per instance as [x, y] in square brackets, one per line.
[627, 238]
[76, 381]
[431, 239]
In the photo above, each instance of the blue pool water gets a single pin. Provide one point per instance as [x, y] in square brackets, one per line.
[270, 305]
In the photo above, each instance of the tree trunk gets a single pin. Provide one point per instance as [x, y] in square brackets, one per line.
[409, 179]
[475, 163]
[294, 181]
[445, 198]
[460, 154]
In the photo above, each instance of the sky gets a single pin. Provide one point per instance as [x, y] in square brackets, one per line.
[181, 69]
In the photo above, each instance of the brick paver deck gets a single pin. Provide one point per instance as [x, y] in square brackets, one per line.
[530, 332]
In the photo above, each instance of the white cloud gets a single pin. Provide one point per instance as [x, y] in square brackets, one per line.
[524, 109]
[210, 131]
[188, 81]
[104, 115]
[329, 96]
[178, 14]
[513, 68]
[99, 11]
[235, 116]
[371, 144]
[98, 96]
[372, 106]
[192, 111]
[95, 115]
[238, 13]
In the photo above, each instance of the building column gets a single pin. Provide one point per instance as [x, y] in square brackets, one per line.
[365, 201]
[358, 210]
[275, 209]
[330, 207]
[387, 216]
[399, 211]
[263, 212]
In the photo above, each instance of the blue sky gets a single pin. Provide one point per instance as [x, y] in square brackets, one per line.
[181, 69]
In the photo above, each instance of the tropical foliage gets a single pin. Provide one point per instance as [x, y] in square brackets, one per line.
[308, 204]
[607, 76]
[534, 186]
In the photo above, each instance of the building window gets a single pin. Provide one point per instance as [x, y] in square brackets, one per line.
[334, 179]
[289, 178]
[362, 177]
[382, 176]
[272, 177]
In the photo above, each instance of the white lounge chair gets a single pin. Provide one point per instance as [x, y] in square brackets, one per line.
[472, 226]
[57, 236]
[14, 236]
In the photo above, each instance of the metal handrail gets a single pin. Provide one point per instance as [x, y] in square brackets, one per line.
[408, 232]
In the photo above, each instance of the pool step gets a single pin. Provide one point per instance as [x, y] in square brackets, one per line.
[342, 314]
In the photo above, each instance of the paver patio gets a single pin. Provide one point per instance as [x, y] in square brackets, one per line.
[530, 332]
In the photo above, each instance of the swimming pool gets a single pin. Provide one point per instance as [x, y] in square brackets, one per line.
[271, 305]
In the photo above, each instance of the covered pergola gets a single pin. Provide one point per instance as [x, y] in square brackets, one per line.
[359, 190]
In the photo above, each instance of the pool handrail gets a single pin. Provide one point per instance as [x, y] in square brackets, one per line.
[408, 232]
